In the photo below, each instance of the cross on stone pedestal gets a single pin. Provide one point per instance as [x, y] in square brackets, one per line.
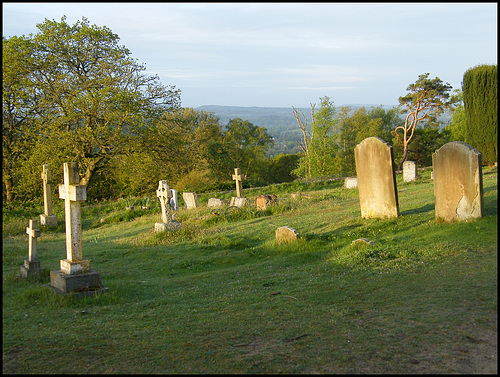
[73, 194]
[34, 233]
[238, 177]
[47, 218]
[164, 194]
[31, 265]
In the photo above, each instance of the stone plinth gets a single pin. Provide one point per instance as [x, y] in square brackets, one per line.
[88, 283]
[162, 227]
[30, 268]
[239, 202]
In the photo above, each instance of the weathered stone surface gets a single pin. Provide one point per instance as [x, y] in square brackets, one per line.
[263, 201]
[162, 227]
[73, 194]
[351, 182]
[216, 203]
[88, 283]
[458, 182]
[376, 179]
[190, 200]
[410, 171]
[286, 234]
[239, 202]
[362, 241]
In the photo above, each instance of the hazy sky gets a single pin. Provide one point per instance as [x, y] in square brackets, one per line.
[287, 54]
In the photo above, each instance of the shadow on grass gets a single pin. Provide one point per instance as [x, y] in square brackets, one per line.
[423, 209]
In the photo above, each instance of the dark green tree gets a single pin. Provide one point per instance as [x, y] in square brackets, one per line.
[480, 95]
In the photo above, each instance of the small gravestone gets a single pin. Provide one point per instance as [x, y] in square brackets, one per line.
[286, 234]
[351, 182]
[239, 178]
[458, 182]
[32, 264]
[263, 201]
[164, 195]
[378, 196]
[174, 203]
[216, 203]
[190, 200]
[47, 218]
[410, 171]
[238, 202]
[75, 274]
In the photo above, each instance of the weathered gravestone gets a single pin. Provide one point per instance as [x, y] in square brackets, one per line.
[216, 202]
[47, 218]
[410, 171]
[239, 178]
[164, 194]
[190, 200]
[174, 203]
[238, 202]
[75, 274]
[378, 195]
[351, 182]
[286, 234]
[262, 201]
[32, 264]
[458, 182]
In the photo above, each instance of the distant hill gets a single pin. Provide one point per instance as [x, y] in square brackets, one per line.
[279, 121]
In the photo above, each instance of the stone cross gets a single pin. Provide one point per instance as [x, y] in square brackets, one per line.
[47, 218]
[238, 177]
[164, 194]
[73, 194]
[33, 233]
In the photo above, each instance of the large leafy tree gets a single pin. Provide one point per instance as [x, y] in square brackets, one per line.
[427, 98]
[92, 98]
[19, 105]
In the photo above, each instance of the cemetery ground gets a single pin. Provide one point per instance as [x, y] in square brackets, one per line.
[220, 295]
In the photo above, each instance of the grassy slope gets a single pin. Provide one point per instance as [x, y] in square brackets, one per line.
[220, 296]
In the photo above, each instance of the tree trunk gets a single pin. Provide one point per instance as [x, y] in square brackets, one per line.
[405, 157]
[9, 193]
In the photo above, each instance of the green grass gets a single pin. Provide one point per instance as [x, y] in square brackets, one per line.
[221, 296]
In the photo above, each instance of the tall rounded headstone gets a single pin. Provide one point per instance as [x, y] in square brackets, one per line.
[378, 197]
[458, 182]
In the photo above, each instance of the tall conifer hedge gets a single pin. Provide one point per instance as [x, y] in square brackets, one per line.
[479, 89]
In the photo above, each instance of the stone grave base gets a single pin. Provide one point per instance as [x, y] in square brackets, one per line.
[162, 227]
[86, 284]
[237, 201]
[48, 220]
[30, 268]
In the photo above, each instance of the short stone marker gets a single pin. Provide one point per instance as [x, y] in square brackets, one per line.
[190, 200]
[75, 274]
[238, 202]
[458, 182]
[32, 264]
[47, 218]
[362, 241]
[164, 194]
[410, 171]
[263, 201]
[378, 195]
[286, 234]
[216, 202]
[174, 203]
[239, 178]
[351, 182]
